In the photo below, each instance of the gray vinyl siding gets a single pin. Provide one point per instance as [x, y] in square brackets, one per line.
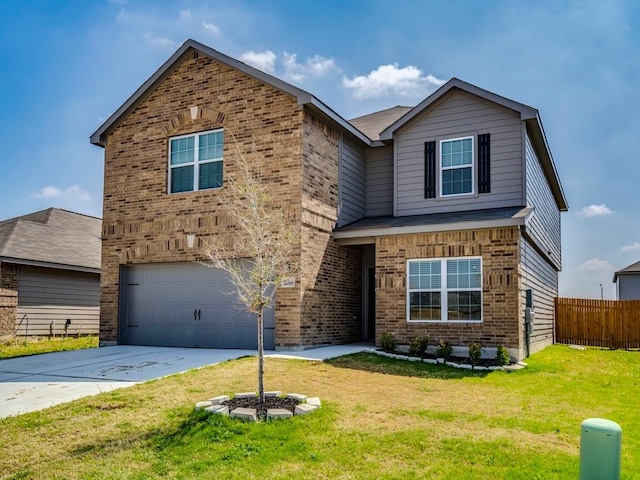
[628, 287]
[379, 181]
[539, 276]
[48, 297]
[543, 224]
[458, 115]
[351, 182]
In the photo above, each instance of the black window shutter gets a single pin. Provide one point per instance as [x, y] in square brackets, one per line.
[430, 169]
[484, 163]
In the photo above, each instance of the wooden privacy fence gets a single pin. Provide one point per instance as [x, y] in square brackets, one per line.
[598, 323]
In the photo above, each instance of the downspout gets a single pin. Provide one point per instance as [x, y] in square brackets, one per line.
[525, 323]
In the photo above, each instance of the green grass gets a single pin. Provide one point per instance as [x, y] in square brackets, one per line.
[381, 418]
[20, 348]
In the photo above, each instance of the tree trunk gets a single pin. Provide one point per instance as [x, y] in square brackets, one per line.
[260, 355]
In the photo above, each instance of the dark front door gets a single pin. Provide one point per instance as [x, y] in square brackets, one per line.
[371, 303]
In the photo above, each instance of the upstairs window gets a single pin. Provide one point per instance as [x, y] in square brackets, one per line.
[444, 290]
[195, 161]
[456, 166]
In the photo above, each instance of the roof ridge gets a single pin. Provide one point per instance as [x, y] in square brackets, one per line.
[75, 213]
[380, 111]
[28, 216]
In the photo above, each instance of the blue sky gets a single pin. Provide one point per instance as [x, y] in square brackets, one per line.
[67, 66]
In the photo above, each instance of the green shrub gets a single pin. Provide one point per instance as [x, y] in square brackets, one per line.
[418, 346]
[475, 352]
[444, 349]
[502, 355]
[388, 342]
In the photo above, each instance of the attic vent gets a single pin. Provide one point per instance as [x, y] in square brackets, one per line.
[195, 54]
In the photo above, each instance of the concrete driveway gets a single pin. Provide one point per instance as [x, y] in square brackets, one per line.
[32, 383]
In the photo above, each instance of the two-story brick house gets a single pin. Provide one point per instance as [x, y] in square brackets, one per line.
[434, 219]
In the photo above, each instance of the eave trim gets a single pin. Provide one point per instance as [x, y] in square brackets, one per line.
[58, 266]
[366, 233]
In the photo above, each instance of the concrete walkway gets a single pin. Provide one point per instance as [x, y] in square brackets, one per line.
[32, 383]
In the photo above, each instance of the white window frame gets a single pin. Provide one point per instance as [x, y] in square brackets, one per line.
[444, 290]
[442, 169]
[196, 161]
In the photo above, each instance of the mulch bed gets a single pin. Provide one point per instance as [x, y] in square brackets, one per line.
[483, 362]
[261, 408]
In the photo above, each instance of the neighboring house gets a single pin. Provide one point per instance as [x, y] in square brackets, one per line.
[627, 282]
[50, 274]
[427, 220]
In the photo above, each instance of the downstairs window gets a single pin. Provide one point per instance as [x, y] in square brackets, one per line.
[444, 290]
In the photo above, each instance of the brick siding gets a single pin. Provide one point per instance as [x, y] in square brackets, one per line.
[499, 249]
[142, 223]
[8, 298]
[332, 275]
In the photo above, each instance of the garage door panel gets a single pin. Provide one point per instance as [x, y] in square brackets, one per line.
[161, 299]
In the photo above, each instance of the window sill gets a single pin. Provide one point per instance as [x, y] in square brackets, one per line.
[195, 191]
[444, 322]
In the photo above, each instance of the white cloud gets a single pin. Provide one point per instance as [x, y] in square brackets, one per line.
[595, 211]
[185, 14]
[73, 191]
[315, 66]
[389, 79]
[596, 265]
[631, 248]
[164, 42]
[211, 29]
[264, 61]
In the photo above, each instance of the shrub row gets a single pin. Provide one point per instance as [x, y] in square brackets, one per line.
[418, 348]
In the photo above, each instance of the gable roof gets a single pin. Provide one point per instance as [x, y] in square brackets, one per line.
[528, 114]
[630, 270]
[52, 238]
[303, 97]
[374, 123]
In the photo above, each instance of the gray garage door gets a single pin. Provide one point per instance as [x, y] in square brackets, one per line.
[186, 305]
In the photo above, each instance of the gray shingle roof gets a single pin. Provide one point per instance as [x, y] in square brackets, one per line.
[52, 236]
[633, 268]
[436, 218]
[374, 123]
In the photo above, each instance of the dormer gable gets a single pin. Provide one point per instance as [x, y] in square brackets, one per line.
[526, 114]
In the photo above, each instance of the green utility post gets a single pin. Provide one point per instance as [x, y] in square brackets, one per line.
[600, 448]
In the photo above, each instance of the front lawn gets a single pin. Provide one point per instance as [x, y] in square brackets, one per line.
[381, 418]
[21, 348]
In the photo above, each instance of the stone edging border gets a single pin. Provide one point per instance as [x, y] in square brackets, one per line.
[214, 406]
[508, 368]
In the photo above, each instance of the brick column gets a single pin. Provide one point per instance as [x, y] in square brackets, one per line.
[8, 298]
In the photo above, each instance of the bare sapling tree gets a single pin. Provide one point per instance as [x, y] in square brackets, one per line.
[260, 254]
